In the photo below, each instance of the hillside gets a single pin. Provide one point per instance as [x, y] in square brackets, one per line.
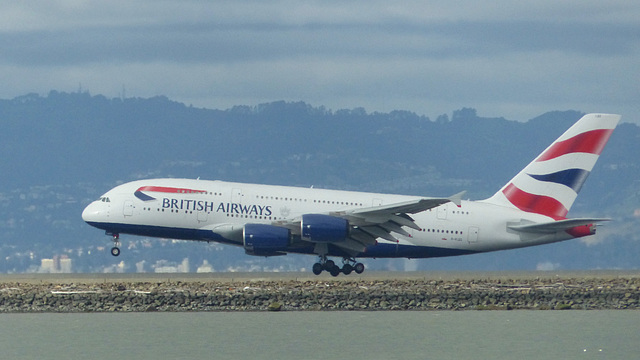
[63, 150]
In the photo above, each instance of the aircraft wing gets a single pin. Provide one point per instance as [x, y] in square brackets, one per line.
[368, 224]
[555, 226]
[408, 207]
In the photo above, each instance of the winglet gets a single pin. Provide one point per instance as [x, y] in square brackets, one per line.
[457, 198]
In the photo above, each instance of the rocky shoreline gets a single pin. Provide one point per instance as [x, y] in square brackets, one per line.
[318, 295]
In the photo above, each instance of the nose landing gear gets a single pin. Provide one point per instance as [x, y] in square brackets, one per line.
[115, 250]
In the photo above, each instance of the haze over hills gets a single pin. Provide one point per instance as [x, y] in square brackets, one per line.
[61, 151]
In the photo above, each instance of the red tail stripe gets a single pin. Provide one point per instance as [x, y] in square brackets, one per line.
[591, 142]
[535, 203]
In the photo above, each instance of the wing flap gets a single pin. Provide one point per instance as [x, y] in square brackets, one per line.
[390, 226]
[362, 237]
[378, 232]
[404, 220]
[352, 246]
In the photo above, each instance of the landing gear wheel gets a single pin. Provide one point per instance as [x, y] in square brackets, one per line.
[317, 268]
[347, 269]
[115, 251]
[329, 265]
[335, 271]
[359, 268]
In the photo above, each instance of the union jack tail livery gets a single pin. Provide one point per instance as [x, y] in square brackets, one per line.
[550, 183]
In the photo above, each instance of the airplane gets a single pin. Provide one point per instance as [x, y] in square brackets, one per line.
[270, 220]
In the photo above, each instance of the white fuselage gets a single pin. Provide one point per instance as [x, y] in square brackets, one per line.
[207, 210]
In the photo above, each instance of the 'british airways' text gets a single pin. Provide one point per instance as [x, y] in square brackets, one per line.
[210, 206]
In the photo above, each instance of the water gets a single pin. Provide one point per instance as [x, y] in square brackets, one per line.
[324, 335]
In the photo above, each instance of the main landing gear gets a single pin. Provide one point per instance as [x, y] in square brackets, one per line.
[115, 250]
[349, 265]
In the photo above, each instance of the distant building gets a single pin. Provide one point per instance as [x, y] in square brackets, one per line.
[46, 266]
[65, 265]
[59, 264]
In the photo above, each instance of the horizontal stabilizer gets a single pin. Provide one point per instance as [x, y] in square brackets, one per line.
[555, 226]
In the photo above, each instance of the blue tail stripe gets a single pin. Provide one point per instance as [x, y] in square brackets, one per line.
[573, 178]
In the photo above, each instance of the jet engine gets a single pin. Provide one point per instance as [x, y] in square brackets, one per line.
[265, 240]
[324, 228]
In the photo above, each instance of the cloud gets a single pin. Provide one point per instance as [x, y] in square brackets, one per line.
[505, 59]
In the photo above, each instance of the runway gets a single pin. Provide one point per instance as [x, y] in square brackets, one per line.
[305, 276]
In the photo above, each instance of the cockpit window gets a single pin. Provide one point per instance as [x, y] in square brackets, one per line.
[105, 199]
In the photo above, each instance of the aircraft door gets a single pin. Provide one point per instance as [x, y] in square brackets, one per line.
[473, 234]
[442, 212]
[128, 208]
[377, 202]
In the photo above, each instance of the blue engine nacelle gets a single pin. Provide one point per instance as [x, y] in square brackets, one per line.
[265, 240]
[324, 228]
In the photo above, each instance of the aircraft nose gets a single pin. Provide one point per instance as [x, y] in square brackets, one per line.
[92, 213]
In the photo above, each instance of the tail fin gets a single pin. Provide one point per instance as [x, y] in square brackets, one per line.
[550, 183]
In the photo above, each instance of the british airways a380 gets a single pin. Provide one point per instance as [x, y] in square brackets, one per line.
[531, 209]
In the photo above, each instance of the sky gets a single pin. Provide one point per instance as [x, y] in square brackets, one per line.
[512, 59]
